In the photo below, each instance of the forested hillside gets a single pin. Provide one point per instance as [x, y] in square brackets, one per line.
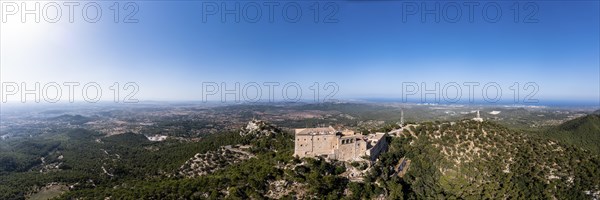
[471, 159]
[84, 159]
[464, 160]
[582, 132]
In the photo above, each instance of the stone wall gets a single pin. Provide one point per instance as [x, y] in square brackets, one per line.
[380, 146]
[340, 147]
[314, 145]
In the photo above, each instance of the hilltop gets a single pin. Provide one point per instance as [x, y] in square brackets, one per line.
[259, 128]
[449, 159]
[464, 159]
[582, 132]
[470, 159]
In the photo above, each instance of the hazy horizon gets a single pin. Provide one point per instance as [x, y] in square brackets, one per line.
[170, 49]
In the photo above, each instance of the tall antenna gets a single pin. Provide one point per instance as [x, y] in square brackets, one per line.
[401, 117]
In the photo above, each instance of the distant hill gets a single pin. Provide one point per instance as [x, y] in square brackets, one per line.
[582, 132]
[586, 124]
[73, 119]
[597, 112]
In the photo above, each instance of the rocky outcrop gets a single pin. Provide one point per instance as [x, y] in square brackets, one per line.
[209, 162]
[259, 128]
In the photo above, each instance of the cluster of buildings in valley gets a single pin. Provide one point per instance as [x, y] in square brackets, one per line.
[344, 145]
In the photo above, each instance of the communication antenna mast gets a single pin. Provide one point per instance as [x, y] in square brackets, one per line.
[401, 118]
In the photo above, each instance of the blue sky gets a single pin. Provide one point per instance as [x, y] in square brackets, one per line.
[368, 52]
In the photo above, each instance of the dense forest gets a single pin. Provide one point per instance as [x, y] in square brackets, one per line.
[582, 132]
[78, 157]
